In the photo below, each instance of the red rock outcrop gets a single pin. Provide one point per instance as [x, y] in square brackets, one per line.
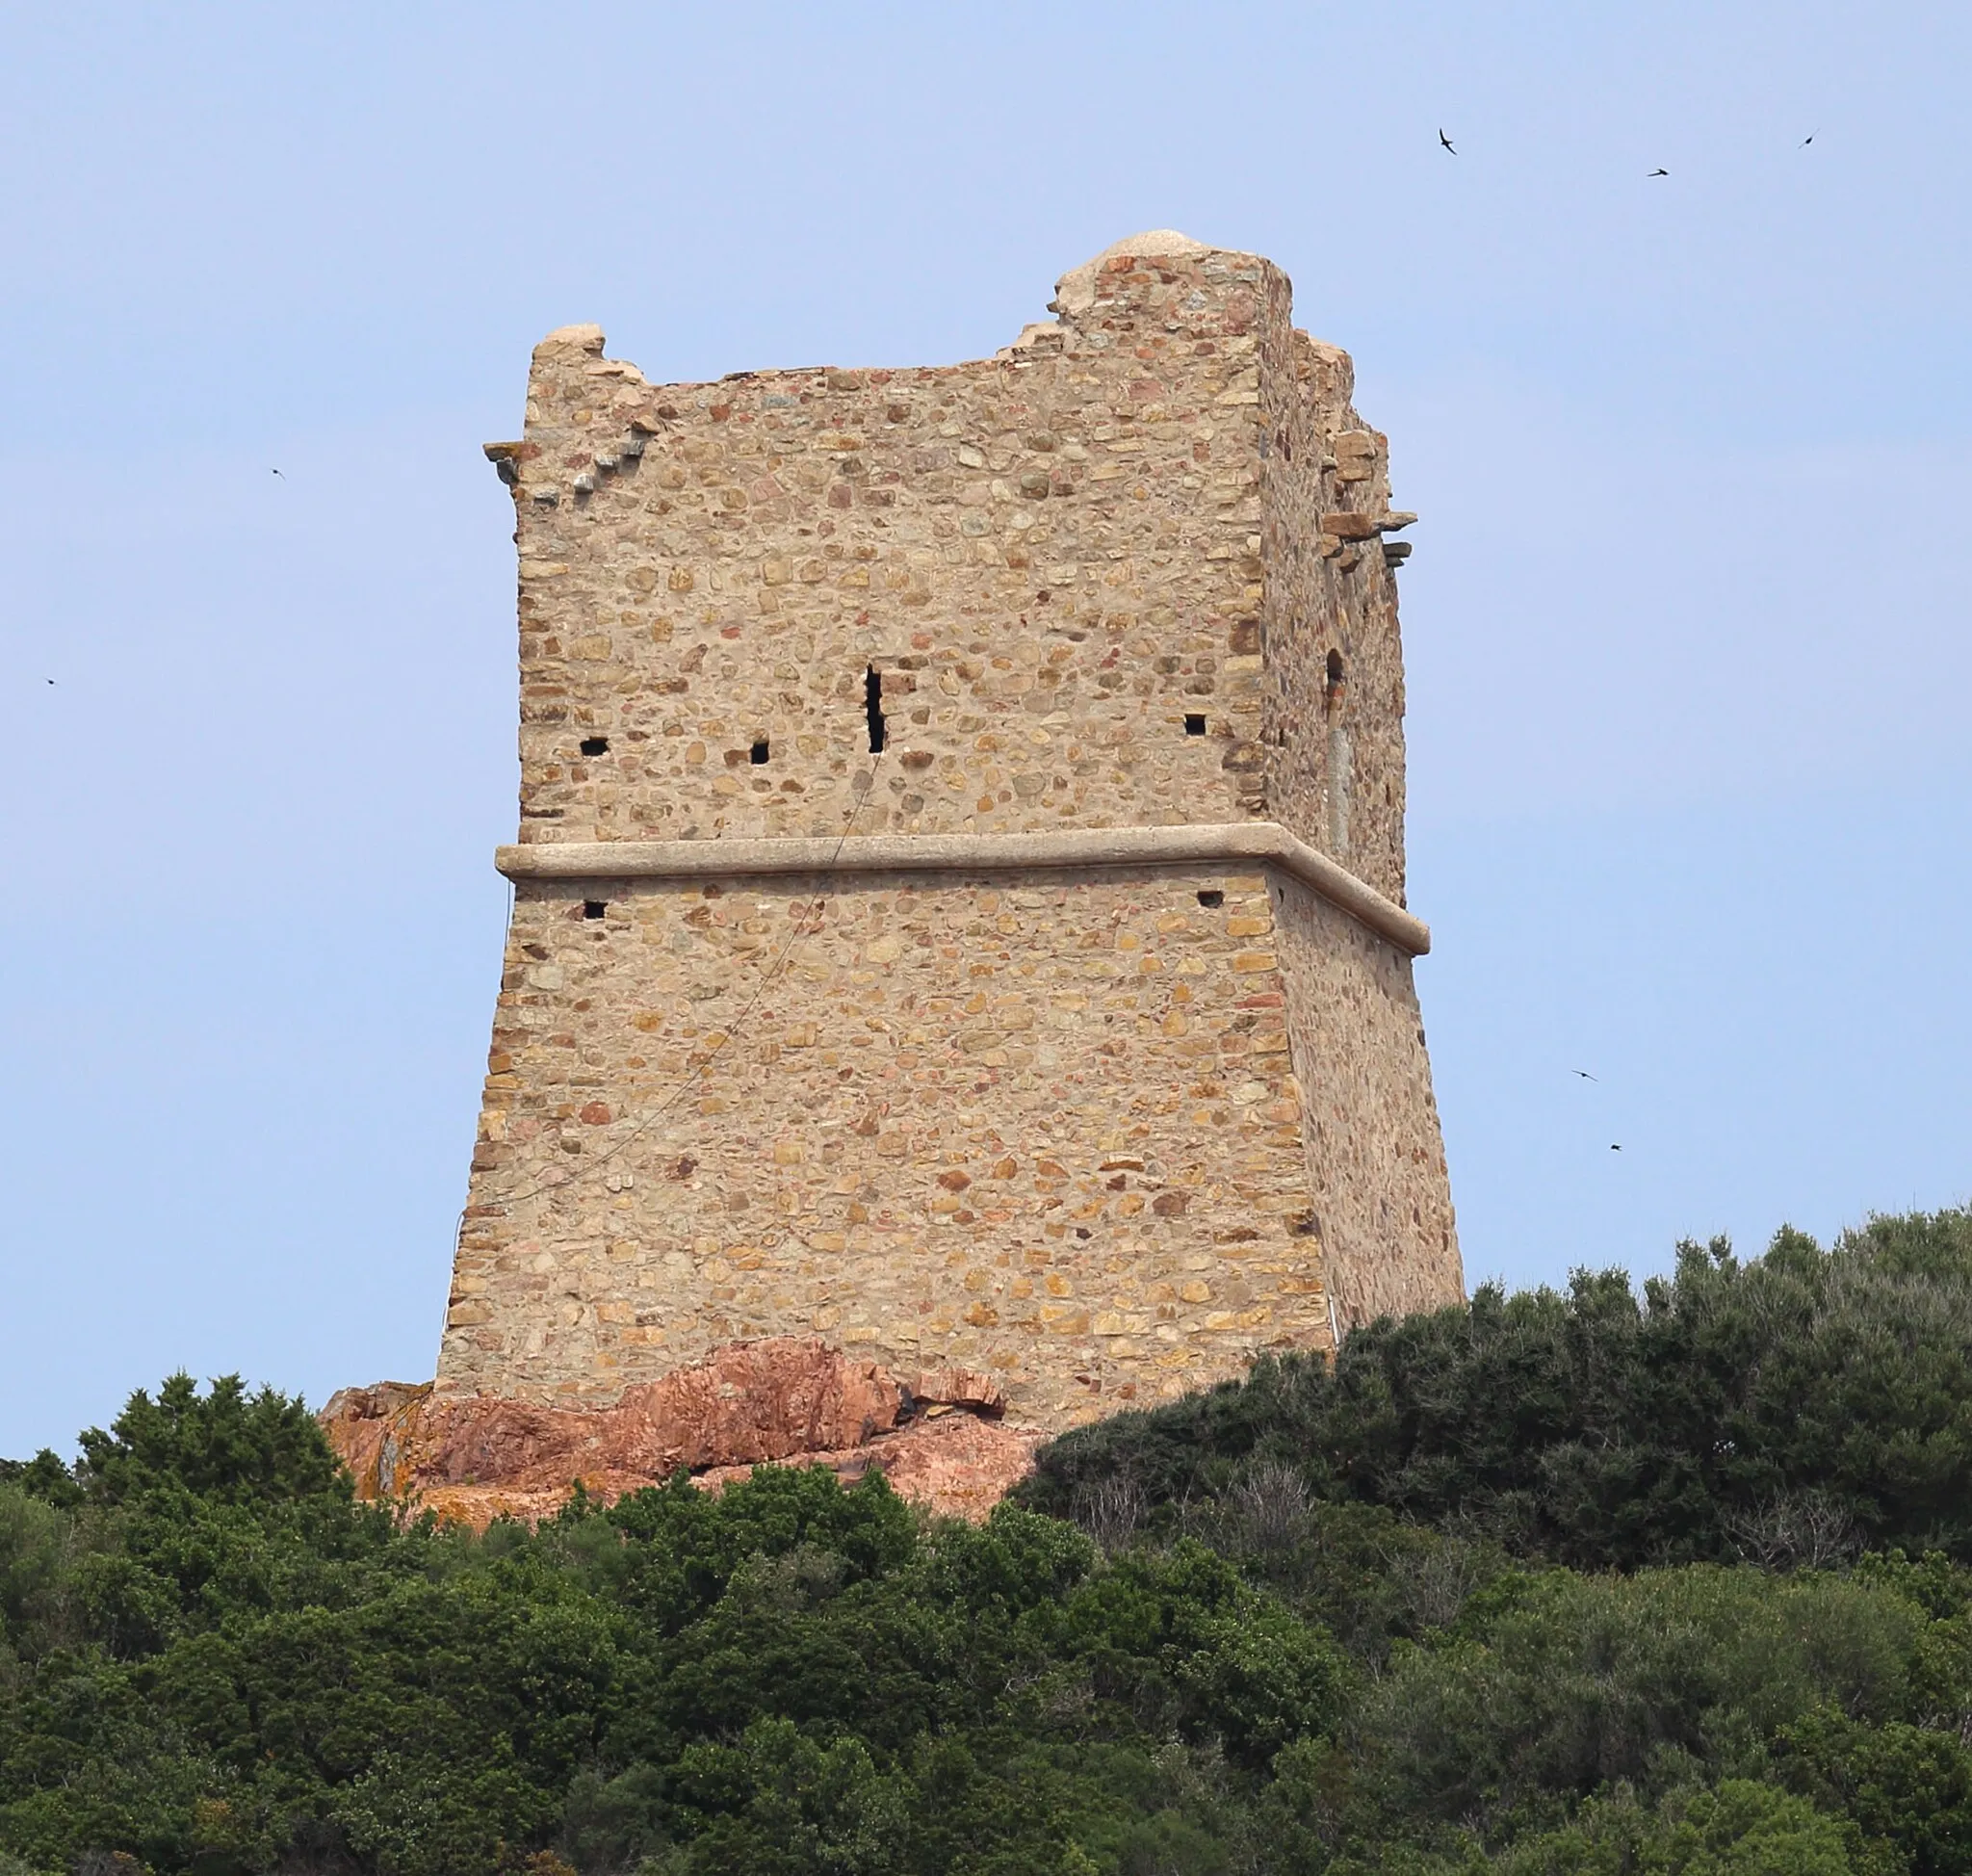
[478, 1457]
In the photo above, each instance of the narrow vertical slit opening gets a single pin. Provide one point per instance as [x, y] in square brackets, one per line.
[757, 753]
[873, 707]
[1340, 779]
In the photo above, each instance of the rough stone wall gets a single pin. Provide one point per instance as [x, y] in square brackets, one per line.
[1375, 1150]
[1051, 557]
[1329, 591]
[1048, 1123]
[1043, 1126]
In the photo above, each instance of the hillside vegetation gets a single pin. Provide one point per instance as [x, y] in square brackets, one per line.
[1595, 1582]
[1796, 1408]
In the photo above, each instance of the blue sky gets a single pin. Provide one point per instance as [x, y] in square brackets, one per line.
[1687, 619]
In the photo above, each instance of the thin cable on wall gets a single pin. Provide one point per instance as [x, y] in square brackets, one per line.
[806, 923]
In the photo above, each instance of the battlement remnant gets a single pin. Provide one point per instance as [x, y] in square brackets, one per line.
[959, 897]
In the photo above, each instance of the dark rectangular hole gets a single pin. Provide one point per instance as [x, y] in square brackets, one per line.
[873, 706]
[1211, 895]
[595, 746]
[1194, 726]
[759, 751]
[594, 908]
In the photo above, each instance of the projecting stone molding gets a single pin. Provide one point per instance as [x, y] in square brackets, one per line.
[1242, 842]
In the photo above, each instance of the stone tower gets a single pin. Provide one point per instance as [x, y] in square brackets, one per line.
[959, 901]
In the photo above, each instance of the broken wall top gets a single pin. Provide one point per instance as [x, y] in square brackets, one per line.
[1093, 576]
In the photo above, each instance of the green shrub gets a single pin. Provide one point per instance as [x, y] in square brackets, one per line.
[224, 1445]
[1742, 1829]
[1794, 1409]
[1555, 1687]
[1327, 1630]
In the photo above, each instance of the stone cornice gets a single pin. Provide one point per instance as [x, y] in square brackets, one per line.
[1263, 843]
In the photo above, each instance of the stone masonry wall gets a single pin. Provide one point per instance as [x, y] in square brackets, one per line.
[1375, 1150]
[1043, 1126]
[1050, 558]
[1329, 591]
[1089, 1130]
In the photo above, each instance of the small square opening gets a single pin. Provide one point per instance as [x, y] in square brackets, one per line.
[594, 908]
[758, 753]
[595, 746]
[1194, 726]
[1211, 898]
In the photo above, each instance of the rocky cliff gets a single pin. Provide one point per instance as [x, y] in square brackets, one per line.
[939, 1437]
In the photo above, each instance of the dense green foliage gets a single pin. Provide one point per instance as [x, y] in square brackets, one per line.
[1495, 1597]
[1796, 1408]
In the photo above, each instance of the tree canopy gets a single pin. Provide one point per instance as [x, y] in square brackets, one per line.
[1609, 1581]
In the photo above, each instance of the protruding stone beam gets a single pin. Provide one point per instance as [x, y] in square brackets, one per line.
[1264, 843]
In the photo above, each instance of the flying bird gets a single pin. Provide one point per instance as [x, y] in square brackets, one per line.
[1585, 1075]
[279, 472]
[1446, 142]
[1614, 1148]
[1809, 138]
[1658, 173]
